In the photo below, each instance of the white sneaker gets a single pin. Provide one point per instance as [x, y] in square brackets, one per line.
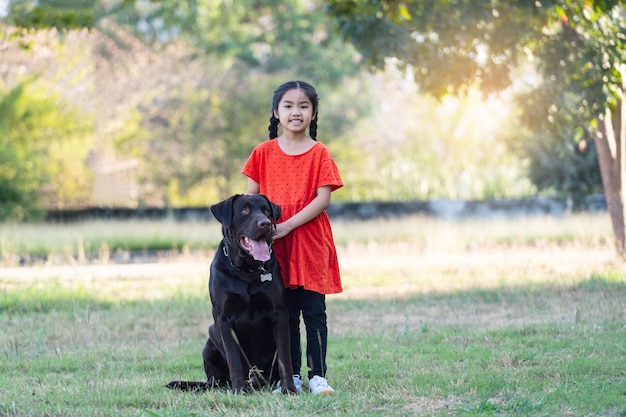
[319, 386]
[297, 381]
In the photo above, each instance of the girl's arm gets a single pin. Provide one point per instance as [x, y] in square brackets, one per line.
[308, 213]
[253, 187]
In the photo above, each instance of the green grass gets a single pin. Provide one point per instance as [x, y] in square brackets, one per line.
[99, 239]
[514, 330]
[81, 241]
[89, 356]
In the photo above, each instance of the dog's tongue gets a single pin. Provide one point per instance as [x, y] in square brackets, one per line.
[259, 249]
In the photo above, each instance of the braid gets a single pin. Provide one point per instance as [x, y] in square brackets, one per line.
[273, 128]
[313, 129]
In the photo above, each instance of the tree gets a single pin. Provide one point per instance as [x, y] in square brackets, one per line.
[46, 129]
[577, 47]
[561, 157]
[267, 35]
[185, 88]
[201, 127]
[33, 124]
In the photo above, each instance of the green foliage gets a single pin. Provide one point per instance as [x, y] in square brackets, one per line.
[63, 15]
[579, 60]
[14, 189]
[199, 131]
[417, 147]
[444, 41]
[20, 158]
[453, 44]
[187, 133]
[183, 90]
[578, 48]
[271, 36]
[562, 156]
[576, 174]
[34, 124]
[199, 137]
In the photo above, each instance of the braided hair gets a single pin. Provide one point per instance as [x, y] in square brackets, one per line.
[278, 95]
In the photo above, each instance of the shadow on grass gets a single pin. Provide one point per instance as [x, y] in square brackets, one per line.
[595, 300]
[56, 297]
[35, 299]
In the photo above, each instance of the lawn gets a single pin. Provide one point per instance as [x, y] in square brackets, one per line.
[475, 318]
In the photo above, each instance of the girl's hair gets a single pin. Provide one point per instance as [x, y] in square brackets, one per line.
[278, 95]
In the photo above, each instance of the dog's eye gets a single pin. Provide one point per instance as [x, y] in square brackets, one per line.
[245, 210]
[267, 212]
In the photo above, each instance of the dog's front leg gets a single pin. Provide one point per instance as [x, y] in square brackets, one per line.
[285, 368]
[232, 350]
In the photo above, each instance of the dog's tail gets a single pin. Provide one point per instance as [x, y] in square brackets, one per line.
[194, 386]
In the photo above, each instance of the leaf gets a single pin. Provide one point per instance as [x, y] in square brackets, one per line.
[404, 12]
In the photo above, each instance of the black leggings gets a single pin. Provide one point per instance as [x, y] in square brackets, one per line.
[312, 305]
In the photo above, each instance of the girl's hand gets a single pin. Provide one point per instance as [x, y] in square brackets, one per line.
[308, 213]
[282, 230]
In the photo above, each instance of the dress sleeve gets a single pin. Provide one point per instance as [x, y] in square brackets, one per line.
[328, 171]
[251, 167]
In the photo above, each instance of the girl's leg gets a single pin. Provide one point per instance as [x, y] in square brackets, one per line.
[313, 307]
[293, 306]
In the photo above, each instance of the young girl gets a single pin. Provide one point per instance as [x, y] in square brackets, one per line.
[298, 173]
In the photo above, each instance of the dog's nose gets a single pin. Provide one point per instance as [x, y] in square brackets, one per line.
[264, 223]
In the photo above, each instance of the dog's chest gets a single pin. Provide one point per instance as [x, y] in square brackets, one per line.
[249, 307]
[248, 298]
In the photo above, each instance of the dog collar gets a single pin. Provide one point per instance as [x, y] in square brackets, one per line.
[266, 276]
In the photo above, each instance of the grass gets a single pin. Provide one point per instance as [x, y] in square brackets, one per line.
[501, 327]
[86, 241]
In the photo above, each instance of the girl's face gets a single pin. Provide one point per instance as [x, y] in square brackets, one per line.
[295, 111]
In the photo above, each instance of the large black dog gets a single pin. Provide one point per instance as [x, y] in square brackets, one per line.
[248, 344]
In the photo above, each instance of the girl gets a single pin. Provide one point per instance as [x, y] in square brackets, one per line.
[298, 173]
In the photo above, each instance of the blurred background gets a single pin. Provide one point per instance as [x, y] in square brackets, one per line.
[116, 103]
[507, 110]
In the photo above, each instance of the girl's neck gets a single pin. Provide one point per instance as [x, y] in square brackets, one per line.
[295, 144]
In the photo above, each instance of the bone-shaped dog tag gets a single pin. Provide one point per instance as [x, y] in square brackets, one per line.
[266, 277]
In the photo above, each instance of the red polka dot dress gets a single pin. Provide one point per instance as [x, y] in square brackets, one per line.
[307, 256]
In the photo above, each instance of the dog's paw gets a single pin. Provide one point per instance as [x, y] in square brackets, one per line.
[241, 390]
[289, 391]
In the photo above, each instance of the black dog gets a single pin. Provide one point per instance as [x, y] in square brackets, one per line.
[248, 344]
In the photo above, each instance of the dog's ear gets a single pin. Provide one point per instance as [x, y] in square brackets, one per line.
[276, 211]
[223, 211]
[274, 208]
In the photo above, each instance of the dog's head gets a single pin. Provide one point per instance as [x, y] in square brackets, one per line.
[248, 221]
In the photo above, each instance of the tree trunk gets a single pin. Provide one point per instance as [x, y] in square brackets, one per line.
[610, 143]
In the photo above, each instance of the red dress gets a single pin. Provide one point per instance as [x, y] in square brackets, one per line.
[307, 256]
